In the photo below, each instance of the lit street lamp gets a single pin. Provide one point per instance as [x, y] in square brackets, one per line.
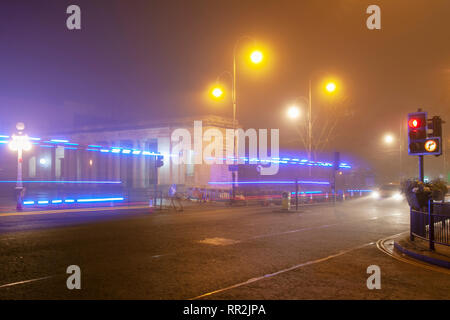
[256, 57]
[293, 112]
[217, 92]
[388, 139]
[19, 143]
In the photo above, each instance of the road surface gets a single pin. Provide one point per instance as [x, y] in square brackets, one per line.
[211, 252]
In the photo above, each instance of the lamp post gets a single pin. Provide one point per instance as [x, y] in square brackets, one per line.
[19, 143]
[330, 87]
[256, 57]
[293, 112]
[389, 139]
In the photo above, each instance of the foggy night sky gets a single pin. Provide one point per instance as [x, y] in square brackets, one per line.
[137, 60]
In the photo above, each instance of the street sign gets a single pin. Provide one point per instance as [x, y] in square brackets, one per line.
[423, 147]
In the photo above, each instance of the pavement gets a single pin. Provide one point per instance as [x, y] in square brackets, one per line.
[210, 252]
[419, 249]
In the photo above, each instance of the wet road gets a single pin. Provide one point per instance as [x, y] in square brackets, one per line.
[321, 252]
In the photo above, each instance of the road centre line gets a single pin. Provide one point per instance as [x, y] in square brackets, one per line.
[23, 282]
[270, 275]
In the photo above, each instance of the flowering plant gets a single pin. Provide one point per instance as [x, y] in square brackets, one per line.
[418, 193]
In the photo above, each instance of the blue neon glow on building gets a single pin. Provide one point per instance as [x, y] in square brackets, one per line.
[63, 181]
[270, 182]
[119, 150]
[81, 200]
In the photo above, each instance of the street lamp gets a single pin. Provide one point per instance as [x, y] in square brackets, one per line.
[256, 57]
[293, 112]
[19, 143]
[217, 92]
[388, 139]
[330, 87]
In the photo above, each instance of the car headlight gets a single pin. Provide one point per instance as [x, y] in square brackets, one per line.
[375, 194]
[398, 196]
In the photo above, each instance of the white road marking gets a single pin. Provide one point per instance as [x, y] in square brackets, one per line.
[218, 241]
[23, 282]
[252, 280]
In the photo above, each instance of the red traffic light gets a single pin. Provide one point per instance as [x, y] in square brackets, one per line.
[414, 123]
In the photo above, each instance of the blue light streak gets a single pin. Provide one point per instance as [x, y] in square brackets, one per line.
[82, 200]
[271, 182]
[100, 199]
[63, 181]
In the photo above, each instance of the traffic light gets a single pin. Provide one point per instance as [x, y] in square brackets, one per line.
[159, 161]
[435, 124]
[417, 126]
[419, 141]
[417, 132]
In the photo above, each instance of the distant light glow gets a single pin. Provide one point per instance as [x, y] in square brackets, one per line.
[398, 196]
[388, 138]
[293, 112]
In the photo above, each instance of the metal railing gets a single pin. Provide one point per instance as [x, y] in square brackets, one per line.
[434, 225]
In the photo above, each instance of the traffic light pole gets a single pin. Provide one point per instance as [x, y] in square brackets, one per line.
[155, 182]
[421, 172]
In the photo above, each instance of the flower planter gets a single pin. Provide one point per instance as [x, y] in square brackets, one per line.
[418, 201]
[437, 195]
